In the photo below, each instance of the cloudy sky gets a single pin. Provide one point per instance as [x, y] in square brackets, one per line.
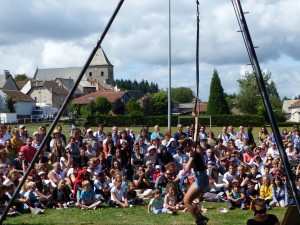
[55, 34]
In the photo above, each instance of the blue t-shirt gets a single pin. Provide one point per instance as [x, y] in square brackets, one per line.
[87, 196]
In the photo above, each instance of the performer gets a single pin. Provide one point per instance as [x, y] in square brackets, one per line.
[196, 161]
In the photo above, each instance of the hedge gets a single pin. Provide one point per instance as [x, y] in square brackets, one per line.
[217, 120]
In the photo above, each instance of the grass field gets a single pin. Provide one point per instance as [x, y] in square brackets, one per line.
[135, 215]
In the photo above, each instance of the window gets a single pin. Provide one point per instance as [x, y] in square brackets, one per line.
[45, 98]
[36, 99]
[90, 74]
[102, 73]
[61, 98]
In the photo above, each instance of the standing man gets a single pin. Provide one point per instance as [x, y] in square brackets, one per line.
[28, 150]
[202, 133]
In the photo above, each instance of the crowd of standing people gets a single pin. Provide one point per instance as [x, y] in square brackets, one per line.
[88, 168]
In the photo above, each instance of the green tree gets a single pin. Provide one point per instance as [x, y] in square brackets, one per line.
[182, 94]
[103, 106]
[132, 107]
[118, 107]
[249, 98]
[146, 105]
[10, 104]
[21, 77]
[160, 103]
[216, 102]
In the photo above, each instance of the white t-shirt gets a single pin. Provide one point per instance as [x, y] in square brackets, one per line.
[119, 193]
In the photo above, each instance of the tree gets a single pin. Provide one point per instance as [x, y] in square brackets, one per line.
[21, 77]
[132, 107]
[160, 103]
[216, 102]
[10, 104]
[118, 107]
[249, 98]
[182, 94]
[146, 105]
[103, 106]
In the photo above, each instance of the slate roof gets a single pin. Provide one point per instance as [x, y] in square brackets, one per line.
[21, 84]
[111, 96]
[18, 96]
[135, 94]
[187, 107]
[69, 84]
[56, 89]
[99, 59]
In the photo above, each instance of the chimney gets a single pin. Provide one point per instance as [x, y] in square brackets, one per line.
[6, 74]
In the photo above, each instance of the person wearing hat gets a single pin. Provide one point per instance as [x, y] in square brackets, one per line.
[291, 152]
[151, 155]
[55, 138]
[92, 140]
[23, 133]
[172, 146]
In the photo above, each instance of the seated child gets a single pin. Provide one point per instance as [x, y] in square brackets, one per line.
[33, 198]
[157, 173]
[118, 195]
[170, 201]
[236, 197]
[251, 194]
[60, 195]
[125, 181]
[87, 197]
[102, 186]
[132, 196]
[156, 204]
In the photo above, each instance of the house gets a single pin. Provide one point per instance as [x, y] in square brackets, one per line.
[286, 109]
[46, 92]
[68, 84]
[294, 110]
[24, 103]
[7, 82]
[188, 108]
[100, 69]
[111, 97]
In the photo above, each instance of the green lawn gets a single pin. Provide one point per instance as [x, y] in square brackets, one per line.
[136, 216]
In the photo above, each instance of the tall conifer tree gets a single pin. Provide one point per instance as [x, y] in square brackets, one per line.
[217, 104]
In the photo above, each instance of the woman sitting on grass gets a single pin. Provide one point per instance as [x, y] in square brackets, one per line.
[87, 197]
[60, 196]
[279, 192]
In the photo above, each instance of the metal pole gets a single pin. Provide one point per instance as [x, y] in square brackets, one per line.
[67, 100]
[169, 89]
[266, 100]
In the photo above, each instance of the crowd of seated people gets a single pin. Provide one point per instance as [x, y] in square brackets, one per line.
[87, 168]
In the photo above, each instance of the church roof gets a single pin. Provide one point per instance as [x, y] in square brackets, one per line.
[100, 59]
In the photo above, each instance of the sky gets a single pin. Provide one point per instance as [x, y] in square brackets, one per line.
[57, 34]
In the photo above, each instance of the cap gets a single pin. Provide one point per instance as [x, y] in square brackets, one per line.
[89, 130]
[148, 162]
[35, 133]
[258, 176]
[235, 181]
[21, 126]
[171, 140]
[55, 131]
[40, 173]
[210, 163]
[150, 148]
[157, 167]
[7, 182]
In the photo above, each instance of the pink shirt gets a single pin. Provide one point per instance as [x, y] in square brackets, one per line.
[29, 152]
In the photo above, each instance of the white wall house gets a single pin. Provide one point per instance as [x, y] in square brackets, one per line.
[294, 110]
